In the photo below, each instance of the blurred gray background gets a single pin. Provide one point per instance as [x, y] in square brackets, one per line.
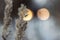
[36, 29]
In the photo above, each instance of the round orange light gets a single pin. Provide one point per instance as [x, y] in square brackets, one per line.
[43, 14]
[29, 16]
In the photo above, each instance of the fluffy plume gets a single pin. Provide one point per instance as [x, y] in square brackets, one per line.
[20, 24]
[7, 18]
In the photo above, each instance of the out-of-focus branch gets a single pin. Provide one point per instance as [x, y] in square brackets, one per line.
[21, 25]
[7, 18]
